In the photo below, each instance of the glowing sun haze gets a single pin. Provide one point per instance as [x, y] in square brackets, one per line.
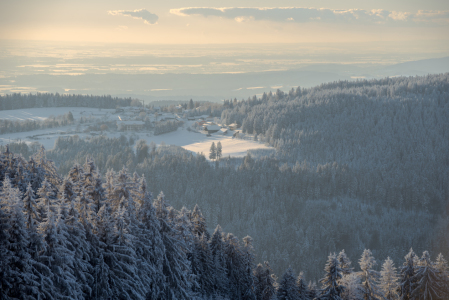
[211, 22]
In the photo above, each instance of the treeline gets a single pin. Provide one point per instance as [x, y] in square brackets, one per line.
[390, 134]
[20, 101]
[167, 126]
[8, 126]
[296, 214]
[84, 237]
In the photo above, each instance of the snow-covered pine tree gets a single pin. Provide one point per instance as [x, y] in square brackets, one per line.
[199, 222]
[75, 176]
[36, 245]
[66, 192]
[175, 264]
[129, 284]
[247, 267]
[407, 277]
[141, 242]
[331, 289]
[201, 265]
[46, 200]
[92, 184]
[118, 255]
[108, 186]
[5, 258]
[213, 151]
[345, 263]
[79, 245]
[301, 284]
[122, 187]
[100, 287]
[24, 284]
[217, 246]
[369, 277]
[389, 280]
[264, 282]
[313, 290]
[6, 194]
[219, 150]
[353, 288]
[47, 168]
[287, 289]
[152, 255]
[141, 192]
[428, 285]
[58, 258]
[234, 266]
[443, 273]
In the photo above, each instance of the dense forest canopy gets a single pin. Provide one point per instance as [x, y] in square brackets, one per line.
[358, 165]
[84, 237]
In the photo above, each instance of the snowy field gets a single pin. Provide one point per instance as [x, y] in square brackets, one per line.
[189, 140]
[46, 112]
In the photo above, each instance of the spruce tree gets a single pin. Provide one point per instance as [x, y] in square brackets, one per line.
[24, 284]
[199, 222]
[153, 256]
[264, 282]
[6, 256]
[369, 276]
[407, 277]
[287, 287]
[345, 263]
[301, 284]
[36, 246]
[428, 284]
[213, 151]
[174, 261]
[219, 150]
[58, 258]
[443, 273]
[247, 268]
[331, 289]
[389, 280]
[217, 246]
[202, 266]
[45, 201]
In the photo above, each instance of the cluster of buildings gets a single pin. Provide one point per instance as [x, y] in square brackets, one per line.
[140, 118]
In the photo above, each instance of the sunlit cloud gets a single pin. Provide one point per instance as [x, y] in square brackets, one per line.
[141, 14]
[303, 15]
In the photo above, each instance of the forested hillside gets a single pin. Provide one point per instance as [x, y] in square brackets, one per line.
[359, 165]
[85, 237]
[18, 101]
[391, 135]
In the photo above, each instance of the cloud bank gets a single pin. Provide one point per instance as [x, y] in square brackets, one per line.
[141, 14]
[302, 15]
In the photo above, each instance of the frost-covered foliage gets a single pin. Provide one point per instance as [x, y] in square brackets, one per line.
[57, 244]
[86, 238]
[389, 135]
[310, 206]
[167, 126]
[389, 280]
[8, 126]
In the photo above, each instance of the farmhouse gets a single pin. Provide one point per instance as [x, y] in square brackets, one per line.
[130, 125]
[211, 128]
[233, 126]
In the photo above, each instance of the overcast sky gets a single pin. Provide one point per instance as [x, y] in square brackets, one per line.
[261, 21]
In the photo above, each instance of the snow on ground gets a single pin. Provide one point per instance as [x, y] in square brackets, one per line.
[45, 112]
[189, 140]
